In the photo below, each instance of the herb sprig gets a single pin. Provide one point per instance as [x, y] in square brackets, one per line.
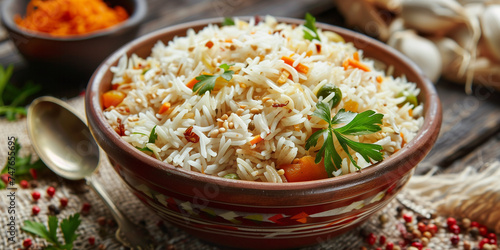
[22, 166]
[363, 123]
[68, 228]
[228, 21]
[14, 96]
[152, 138]
[207, 82]
[310, 24]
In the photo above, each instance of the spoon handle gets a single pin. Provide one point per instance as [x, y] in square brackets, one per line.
[134, 236]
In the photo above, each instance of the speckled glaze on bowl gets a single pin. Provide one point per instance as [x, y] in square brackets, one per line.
[77, 53]
[251, 214]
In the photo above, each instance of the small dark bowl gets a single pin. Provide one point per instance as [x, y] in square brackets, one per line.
[259, 215]
[78, 53]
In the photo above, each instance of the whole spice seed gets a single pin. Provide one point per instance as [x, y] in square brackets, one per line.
[455, 239]
[35, 210]
[51, 191]
[35, 195]
[53, 210]
[371, 239]
[27, 243]
[24, 184]
[91, 240]
[86, 208]
[63, 202]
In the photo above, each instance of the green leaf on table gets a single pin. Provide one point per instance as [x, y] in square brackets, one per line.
[69, 227]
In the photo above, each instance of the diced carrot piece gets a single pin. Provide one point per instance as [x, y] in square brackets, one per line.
[300, 67]
[191, 83]
[209, 44]
[355, 56]
[112, 98]
[305, 169]
[164, 108]
[256, 140]
[379, 79]
[410, 112]
[351, 105]
[309, 53]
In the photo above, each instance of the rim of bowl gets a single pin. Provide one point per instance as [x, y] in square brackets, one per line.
[138, 14]
[427, 133]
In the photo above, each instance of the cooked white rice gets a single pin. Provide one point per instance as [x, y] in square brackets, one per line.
[229, 117]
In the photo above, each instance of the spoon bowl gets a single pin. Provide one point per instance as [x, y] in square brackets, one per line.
[63, 141]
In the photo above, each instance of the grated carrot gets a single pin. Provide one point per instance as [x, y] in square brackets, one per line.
[355, 64]
[256, 139]
[70, 17]
[300, 67]
[164, 108]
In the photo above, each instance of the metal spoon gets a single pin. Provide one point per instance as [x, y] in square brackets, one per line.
[64, 143]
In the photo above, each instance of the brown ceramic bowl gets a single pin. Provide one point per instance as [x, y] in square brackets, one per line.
[78, 53]
[252, 214]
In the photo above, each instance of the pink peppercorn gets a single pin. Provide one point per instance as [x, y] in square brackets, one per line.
[408, 218]
[91, 240]
[24, 184]
[33, 173]
[474, 224]
[451, 221]
[86, 208]
[455, 239]
[63, 201]
[5, 178]
[483, 231]
[51, 191]
[389, 246]
[35, 210]
[492, 241]
[417, 245]
[382, 239]
[492, 236]
[421, 227]
[27, 243]
[371, 239]
[482, 242]
[432, 228]
[35, 195]
[454, 229]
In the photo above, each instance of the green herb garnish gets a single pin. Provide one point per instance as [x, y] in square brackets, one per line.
[207, 82]
[355, 124]
[311, 26]
[228, 21]
[152, 138]
[11, 97]
[68, 228]
[22, 165]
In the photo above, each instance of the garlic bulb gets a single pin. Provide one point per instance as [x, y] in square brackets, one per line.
[453, 56]
[420, 50]
[432, 16]
[490, 23]
[363, 14]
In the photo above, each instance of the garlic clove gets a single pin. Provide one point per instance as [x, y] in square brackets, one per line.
[490, 24]
[452, 55]
[420, 50]
[363, 15]
[432, 16]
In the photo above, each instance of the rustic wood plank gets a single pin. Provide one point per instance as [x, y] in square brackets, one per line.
[480, 157]
[468, 122]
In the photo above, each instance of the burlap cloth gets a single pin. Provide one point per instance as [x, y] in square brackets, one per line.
[167, 236]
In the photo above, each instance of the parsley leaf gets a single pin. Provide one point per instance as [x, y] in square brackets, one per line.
[68, 227]
[311, 26]
[152, 138]
[207, 82]
[15, 96]
[363, 123]
[228, 21]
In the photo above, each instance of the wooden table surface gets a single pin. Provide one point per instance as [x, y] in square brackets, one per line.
[470, 133]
